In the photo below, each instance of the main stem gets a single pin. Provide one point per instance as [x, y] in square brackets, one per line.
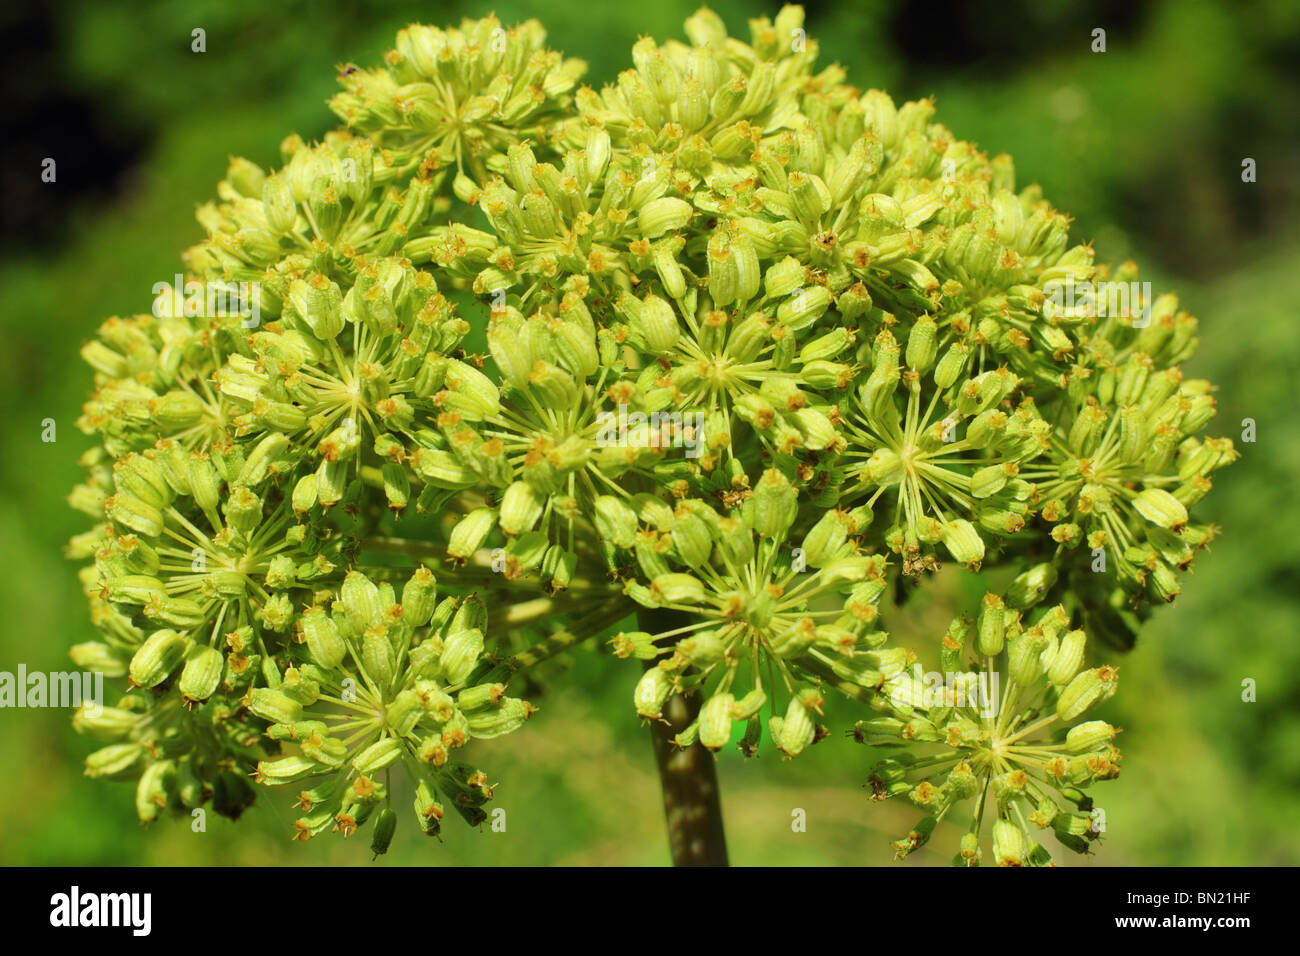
[689, 777]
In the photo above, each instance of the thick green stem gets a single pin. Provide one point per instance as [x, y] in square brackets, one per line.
[689, 777]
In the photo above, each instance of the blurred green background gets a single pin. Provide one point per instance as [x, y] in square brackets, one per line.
[1142, 143]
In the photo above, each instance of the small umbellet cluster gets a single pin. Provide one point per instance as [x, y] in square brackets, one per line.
[508, 360]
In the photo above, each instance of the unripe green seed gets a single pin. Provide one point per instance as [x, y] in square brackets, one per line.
[1009, 845]
[325, 643]
[115, 762]
[419, 597]
[461, 653]
[616, 521]
[922, 344]
[1089, 736]
[797, 730]
[715, 721]
[157, 657]
[992, 626]
[1086, 689]
[1161, 508]
[385, 827]
[274, 706]
[652, 692]
[1031, 586]
[360, 600]
[1068, 658]
[377, 756]
[521, 508]
[202, 673]
[107, 724]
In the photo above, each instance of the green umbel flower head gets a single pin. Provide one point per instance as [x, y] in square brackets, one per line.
[758, 351]
[997, 731]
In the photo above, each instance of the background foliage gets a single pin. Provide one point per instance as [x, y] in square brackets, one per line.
[1143, 144]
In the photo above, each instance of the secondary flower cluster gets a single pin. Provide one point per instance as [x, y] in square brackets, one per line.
[1003, 734]
[756, 346]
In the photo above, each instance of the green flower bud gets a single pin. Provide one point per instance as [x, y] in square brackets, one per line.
[205, 483]
[989, 480]
[854, 302]
[404, 713]
[286, 770]
[597, 155]
[243, 510]
[319, 303]
[749, 705]
[865, 157]
[825, 539]
[917, 838]
[469, 391]
[397, 486]
[809, 196]
[784, 277]
[953, 647]
[304, 494]
[559, 567]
